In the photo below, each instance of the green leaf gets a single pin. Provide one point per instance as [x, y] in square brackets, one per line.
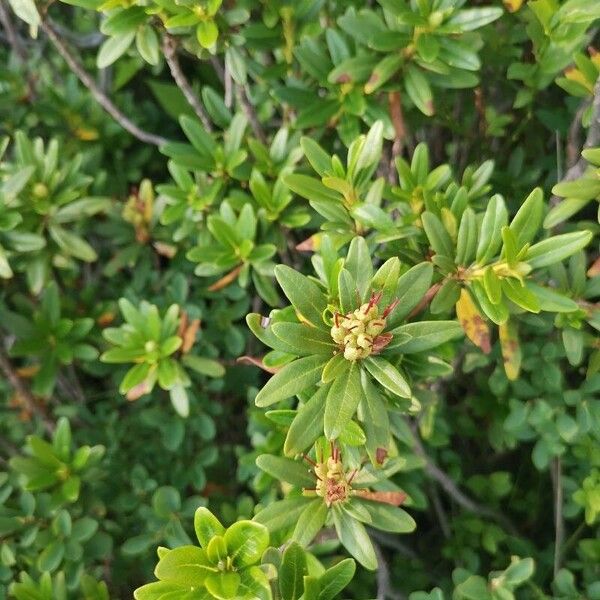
[113, 48]
[372, 413]
[557, 248]
[347, 291]
[246, 541]
[343, 398]
[354, 538]
[223, 586]
[527, 221]
[582, 189]
[438, 236]
[26, 10]
[490, 235]
[146, 42]
[286, 469]
[498, 313]
[472, 18]
[304, 339]
[204, 366]
[387, 517]
[186, 566]
[282, 514]
[335, 366]
[206, 526]
[291, 380]
[359, 264]
[419, 90]
[71, 244]
[520, 295]
[336, 578]
[307, 425]
[304, 294]
[292, 571]
[550, 300]
[412, 286]
[425, 335]
[319, 160]
[466, 240]
[180, 400]
[492, 285]
[51, 556]
[388, 376]
[310, 522]
[207, 33]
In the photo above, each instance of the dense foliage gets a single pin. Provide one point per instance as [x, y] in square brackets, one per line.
[299, 300]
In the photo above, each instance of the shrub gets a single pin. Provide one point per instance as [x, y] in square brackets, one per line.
[303, 297]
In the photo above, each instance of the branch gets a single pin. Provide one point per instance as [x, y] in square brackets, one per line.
[242, 97]
[384, 589]
[559, 524]
[448, 485]
[11, 34]
[23, 391]
[100, 97]
[592, 140]
[170, 52]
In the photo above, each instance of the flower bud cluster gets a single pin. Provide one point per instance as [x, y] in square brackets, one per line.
[357, 332]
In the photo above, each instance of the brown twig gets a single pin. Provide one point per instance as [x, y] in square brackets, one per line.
[448, 485]
[592, 140]
[103, 100]
[427, 298]
[397, 116]
[384, 586]
[23, 391]
[170, 52]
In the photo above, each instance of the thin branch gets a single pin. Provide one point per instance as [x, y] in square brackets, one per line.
[80, 40]
[23, 391]
[592, 140]
[100, 97]
[440, 513]
[170, 52]
[448, 485]
[559, 524]
[392, 542]
[11, 34]
[242, 97]
[384, 589]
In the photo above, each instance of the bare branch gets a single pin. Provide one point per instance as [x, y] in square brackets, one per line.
[25, 395]
[170, 52]
[100, 97]
[384, 589]
[448, 485]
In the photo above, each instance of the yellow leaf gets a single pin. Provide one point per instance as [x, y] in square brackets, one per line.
[473, 323]
[511, 349]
